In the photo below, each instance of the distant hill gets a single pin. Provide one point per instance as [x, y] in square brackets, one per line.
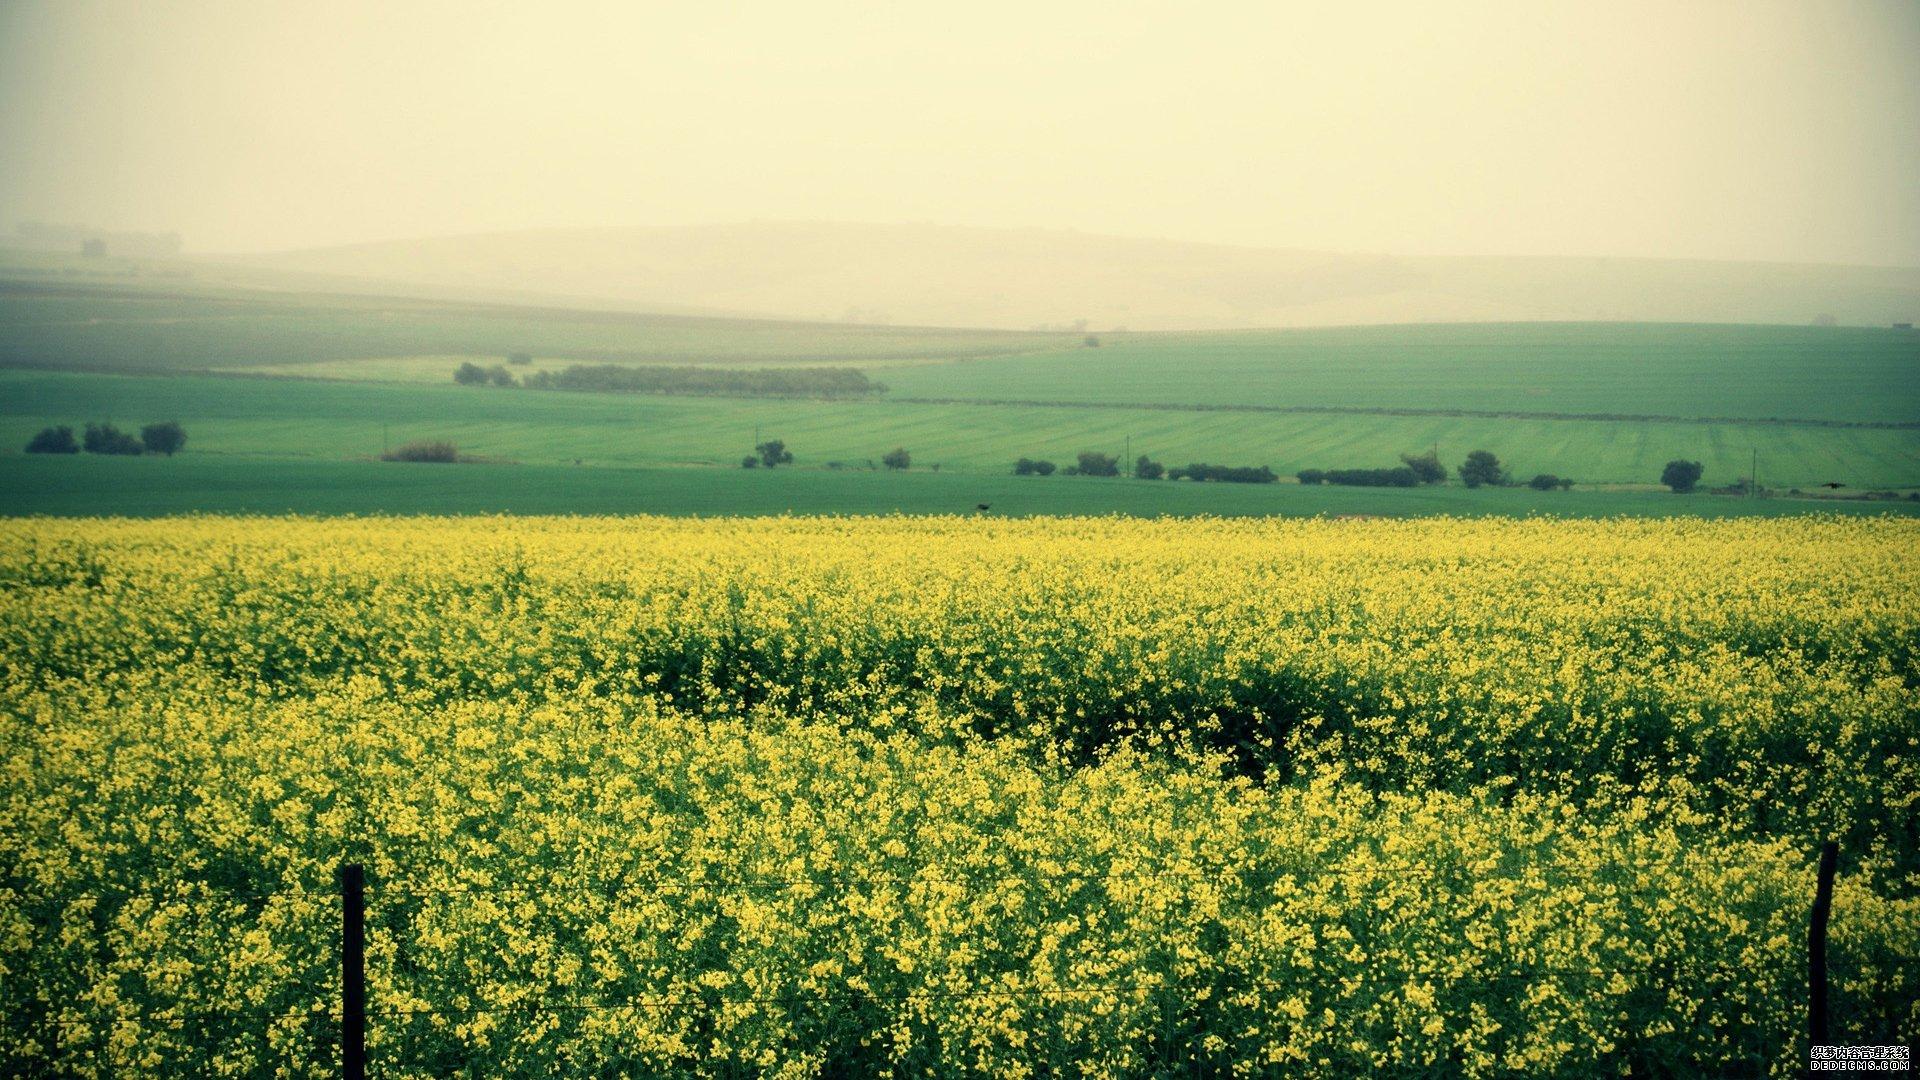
[1028, 278]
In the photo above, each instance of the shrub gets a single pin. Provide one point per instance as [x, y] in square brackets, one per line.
[1547, 482]
[1312, 476]
[1481, 467]
[750, 462]
[1682, 476]
[165, 437]
[897, 458]
[1094, 463]
[1030, 467]
[432, 450]
[773, 452]
[1426, 466]
[107, 439]
[54, 440]
[1148, 469]
[471, 374]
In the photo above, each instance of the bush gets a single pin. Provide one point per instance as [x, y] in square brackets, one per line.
[1030, 467]
[1091, 341]
[774, 452]
[1426, 466]
[1226, 474]
[107, 439]
[749, 462]
[1312, 476]
[1481, 467]
[1682, 476]
[54, 440]
[897, 458]
[165, 437]
[1148, 469]
[1094, 463]
[432, 450]
[1547, 482]
[471, 374]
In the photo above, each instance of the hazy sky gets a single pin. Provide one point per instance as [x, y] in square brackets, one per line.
[1742, 129]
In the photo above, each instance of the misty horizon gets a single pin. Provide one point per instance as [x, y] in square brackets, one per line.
[1773, 132]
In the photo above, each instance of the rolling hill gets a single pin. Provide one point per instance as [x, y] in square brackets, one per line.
[1026, 278]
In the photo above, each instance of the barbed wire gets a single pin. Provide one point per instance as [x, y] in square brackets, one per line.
[196, 890]
[1220, 987]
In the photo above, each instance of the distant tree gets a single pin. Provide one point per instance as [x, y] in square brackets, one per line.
[1481, 467]
[1148, 469]
[470, 374]
[1682, 476]
[429, 450]
[519, 358]
[897, 458]
[498, 375]
[107, 439]
[1426, 466]
[1091, 341]
[165, 437]
[1030, 467]
[54, 440]
[773, 452]
[1547, 482]
[1312, 476]
[1566, 483]
[749, 462]
[1094, 463]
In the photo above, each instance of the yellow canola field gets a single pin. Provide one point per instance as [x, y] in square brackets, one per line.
[1063, 797]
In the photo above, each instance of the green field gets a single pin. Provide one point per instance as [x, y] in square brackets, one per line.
[145, 487]
[1750, 372]
[281, 417]
[1604, 404]
[352, 419]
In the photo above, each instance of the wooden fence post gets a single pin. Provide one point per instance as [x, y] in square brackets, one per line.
[1817, 948]
[353, 971]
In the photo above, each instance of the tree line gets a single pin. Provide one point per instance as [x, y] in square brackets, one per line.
[165, 437]
[824, 382]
